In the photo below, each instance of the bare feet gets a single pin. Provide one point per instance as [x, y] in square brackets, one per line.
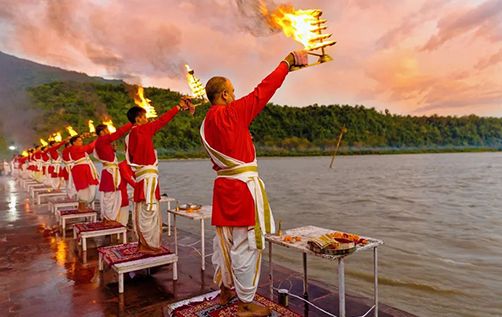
[252, 309]
[226, 295]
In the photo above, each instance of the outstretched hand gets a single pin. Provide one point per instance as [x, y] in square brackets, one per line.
[297, 58]
[186, 104]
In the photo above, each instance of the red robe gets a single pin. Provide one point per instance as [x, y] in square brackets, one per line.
[82, 175]
[54, 155]
[141, 150]
[226, 130]
[35, 159]
[104, 151]
[65, 155]
[126, 177]
[45, 159]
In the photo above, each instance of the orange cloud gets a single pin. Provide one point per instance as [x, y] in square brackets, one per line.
[390, 54]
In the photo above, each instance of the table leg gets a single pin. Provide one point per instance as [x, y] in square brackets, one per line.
[124, 237]
[63, 224]
[100, 261]
[270, 271]
[305, 280]
[175, 236]
[203, 250]
[375, 271]
[121, 283]
[168, 219]
[341, 287]
[84, 244]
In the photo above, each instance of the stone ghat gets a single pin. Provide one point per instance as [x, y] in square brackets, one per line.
[44, 274]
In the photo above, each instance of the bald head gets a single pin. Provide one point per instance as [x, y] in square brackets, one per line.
[219, 91]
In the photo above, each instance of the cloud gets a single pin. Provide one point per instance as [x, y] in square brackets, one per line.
[389, 54]
[485, 20]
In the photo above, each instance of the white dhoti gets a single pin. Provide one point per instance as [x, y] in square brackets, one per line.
[236, 263]
[123, 216]
[148, 224]
[110, 205]
[87, 195]
[55, 183]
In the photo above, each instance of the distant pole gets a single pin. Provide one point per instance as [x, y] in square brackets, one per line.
[342, 131]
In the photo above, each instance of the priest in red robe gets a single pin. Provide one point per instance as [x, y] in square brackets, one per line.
[142, 157]
[110, 174]
[84, 173]
[241, 212]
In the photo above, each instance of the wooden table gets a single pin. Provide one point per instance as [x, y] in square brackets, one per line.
[49, 195]
[135, 265]
[84, 235]
[308, 232]
[91, 215]
[201, 215]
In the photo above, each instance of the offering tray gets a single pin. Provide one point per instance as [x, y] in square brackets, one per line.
[190, 207]
[330, 245]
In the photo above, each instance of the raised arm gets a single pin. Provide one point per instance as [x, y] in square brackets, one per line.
[248, 107]
[89, 147]
[120, 132]
[154, 126]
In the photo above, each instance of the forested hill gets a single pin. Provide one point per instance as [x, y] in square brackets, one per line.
[279, 130]
[16, 75]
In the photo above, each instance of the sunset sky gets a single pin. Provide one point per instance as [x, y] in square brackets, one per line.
[409, 56]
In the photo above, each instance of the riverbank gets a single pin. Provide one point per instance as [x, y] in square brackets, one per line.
[42, 273]
[343, 151]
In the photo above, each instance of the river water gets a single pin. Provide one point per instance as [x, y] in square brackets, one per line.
[439, 215]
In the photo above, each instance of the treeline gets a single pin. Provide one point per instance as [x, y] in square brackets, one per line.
[279, 130]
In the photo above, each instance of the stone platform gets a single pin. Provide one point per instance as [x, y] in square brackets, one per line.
[41, 273]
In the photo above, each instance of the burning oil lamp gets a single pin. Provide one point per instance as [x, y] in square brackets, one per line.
[306, 27]
[141, 101]
[196, 87]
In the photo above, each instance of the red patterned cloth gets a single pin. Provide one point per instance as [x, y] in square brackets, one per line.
[74, 212]
[211, 308]
[96, 226]
[126, 252]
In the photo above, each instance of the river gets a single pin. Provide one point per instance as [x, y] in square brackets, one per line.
[439, 215]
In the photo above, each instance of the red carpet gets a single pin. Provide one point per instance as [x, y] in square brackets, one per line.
[126, 252]
[96, 226]
[211, 308]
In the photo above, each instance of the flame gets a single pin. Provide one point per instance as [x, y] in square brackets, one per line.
[304, 26]
[24, 153]
[43, 142]
[110, 126]
[198, 90]
[50, 138]
[144, 103]
[58, 137]
[71, 131]
[92, 129]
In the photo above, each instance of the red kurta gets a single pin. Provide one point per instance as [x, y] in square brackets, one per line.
[82, 175]
[104, 151]
[141, 150]
[227, 130]
[45, 159]
[126, 177]
[54, 155]
[65, 155]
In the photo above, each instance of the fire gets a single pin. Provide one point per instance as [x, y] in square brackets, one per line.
[43, 142]
[110, 126]
[198, 90]
[58, 137]
[305, 26]
[71, 131]
[92, 129]
[144, 103]
[24, 153]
